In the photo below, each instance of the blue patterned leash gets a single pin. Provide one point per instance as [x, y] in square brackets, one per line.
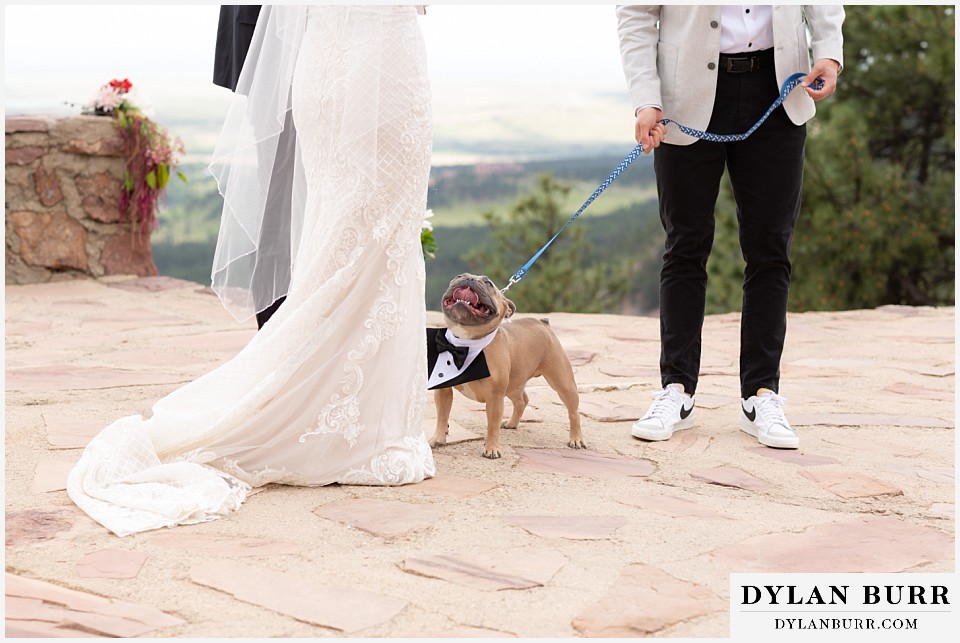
[791, 83]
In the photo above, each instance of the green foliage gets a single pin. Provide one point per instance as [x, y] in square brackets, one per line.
[428, 243]
[559, 280]
[151, 154]
[877, 221]
[877, 225]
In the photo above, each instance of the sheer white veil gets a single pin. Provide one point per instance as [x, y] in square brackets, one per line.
[259, 172]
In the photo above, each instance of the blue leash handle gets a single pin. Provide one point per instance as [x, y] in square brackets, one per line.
[788, 86]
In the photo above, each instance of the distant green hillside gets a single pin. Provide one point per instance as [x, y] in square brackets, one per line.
[622, 222]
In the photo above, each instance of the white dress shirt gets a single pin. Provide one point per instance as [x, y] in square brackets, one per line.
[745, 28]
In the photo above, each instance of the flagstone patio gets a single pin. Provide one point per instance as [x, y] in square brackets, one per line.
[627, 538]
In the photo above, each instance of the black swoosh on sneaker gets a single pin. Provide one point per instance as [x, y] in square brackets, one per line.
[752, 415]
[685, 412]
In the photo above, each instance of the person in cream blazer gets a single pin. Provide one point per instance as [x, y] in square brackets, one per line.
[719, 68]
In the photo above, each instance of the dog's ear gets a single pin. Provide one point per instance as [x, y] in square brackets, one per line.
[511, 308]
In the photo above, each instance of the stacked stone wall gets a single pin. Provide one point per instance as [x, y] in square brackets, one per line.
[64, 178]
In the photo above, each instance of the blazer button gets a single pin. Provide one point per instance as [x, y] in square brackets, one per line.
[711, 66]
[714, 24]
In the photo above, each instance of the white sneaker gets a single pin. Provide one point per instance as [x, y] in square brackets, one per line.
[672, 410]
[762, 417]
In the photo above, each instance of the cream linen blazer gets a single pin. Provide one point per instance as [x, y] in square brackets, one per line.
[675, 65]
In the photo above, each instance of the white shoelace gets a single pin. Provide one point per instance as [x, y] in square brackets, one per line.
[770, 408]
[666, 402]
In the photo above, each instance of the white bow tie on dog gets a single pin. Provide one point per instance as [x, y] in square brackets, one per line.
[446, 369]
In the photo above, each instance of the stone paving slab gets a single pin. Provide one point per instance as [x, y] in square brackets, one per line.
[111, 563]
[34, 525]
[848, 484]
[51, 476]
[340, 608]
[793, 456]
[620, 539]
[912, 390]
[69, 432]
[643, 601]
[583, 463]
[66, 378]
[572, 527]
[381, 517]
[859, 545]
[516, 569]
[450, 485]
[31, 601]
[945, 475]
[732, 477]
[672, 506]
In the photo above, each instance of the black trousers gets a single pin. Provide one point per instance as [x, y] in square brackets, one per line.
[766, 173]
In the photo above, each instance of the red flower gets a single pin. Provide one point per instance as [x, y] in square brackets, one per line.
[123, 86]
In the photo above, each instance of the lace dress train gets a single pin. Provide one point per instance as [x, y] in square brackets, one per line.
[332, 389]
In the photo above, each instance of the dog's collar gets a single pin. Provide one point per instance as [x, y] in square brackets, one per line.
[480, 343]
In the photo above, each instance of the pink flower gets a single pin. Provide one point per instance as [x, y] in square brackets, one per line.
[108, 98]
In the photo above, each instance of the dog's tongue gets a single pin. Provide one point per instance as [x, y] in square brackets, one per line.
[467, 295]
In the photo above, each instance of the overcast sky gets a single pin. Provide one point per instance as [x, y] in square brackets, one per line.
[64, 52]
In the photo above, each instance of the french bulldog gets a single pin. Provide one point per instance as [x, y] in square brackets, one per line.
[473, 307]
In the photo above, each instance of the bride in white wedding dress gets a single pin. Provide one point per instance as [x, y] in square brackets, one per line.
[332, 389]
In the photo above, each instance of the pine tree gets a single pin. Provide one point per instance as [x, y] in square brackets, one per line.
[559, 280]
[876, 224]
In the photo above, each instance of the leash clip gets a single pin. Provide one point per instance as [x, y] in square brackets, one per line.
[514, 279]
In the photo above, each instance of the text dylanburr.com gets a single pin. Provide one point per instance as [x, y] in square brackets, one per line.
[844, 607]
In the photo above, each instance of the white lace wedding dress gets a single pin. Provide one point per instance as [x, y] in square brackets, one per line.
[332, 389]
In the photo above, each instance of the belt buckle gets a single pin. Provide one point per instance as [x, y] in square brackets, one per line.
[742, 64]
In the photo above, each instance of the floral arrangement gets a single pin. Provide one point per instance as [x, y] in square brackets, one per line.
[113, 97]
[426, 237]
[152, 155]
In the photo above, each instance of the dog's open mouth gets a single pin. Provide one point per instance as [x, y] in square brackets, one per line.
[465, 296]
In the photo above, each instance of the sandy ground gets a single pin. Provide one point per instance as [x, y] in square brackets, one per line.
[628, 538]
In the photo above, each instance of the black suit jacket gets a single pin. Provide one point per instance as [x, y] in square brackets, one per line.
[234, 33]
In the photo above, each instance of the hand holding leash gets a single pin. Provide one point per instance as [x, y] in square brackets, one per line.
[649, 131]
[822, 79]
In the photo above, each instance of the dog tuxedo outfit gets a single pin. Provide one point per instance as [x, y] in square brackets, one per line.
[452, 360]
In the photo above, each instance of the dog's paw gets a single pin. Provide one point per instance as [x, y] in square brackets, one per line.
[439, 437]
[492, 455]
[576, 444]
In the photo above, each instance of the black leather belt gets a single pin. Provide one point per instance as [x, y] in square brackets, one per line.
[743, 63]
